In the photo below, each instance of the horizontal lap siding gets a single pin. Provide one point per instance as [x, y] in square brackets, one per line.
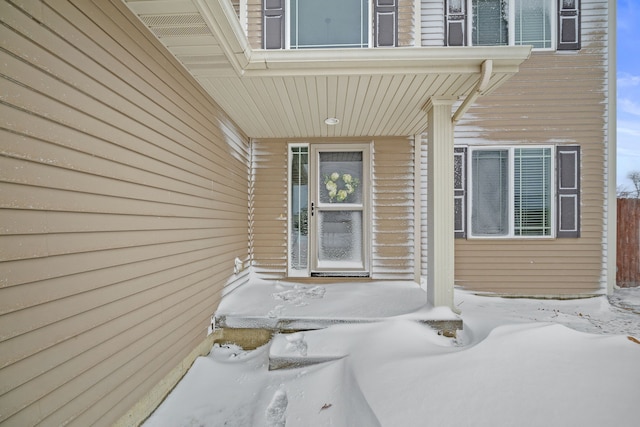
[424, 230]
[393, 208]
[236, 6]
[406, 26]
[556, 98]
[124, 194]
[432, 22]
[254, 23]
[268, 210]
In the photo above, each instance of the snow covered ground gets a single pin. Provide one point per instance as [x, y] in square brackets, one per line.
[518, 362]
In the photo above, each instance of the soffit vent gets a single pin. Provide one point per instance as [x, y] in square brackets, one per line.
[200, 59]
[181, 25]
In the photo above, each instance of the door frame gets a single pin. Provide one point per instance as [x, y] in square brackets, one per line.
[314, 183]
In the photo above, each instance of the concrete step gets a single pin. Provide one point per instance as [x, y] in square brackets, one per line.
[300, 349]
[289, 324]
[250, 315]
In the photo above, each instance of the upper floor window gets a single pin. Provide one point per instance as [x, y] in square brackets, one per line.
[328, 23]
[514, 22]
[315, 24]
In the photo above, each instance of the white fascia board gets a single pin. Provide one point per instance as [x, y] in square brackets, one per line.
[223, 22]
[465, 60]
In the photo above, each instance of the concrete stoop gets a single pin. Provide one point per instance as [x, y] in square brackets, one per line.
[291, 340]
[274, 310]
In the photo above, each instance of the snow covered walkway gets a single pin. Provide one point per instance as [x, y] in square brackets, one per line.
[518, 362]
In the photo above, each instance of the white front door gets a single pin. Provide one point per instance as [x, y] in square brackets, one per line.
[328, 215]
[338, 210]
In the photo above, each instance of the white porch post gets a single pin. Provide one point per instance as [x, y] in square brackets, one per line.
[440, 213]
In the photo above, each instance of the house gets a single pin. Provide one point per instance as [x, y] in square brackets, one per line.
[153, 150]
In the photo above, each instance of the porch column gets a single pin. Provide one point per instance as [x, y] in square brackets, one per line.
[440, 213]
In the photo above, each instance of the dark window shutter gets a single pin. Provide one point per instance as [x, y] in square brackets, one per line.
[459, 191]
[273, 24]
[568, 191]
[386, 23]
[455, 23]
[568, 24]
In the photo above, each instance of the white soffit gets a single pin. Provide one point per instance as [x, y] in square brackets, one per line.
[290, 93]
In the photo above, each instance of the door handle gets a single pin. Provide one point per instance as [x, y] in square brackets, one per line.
[312, 208]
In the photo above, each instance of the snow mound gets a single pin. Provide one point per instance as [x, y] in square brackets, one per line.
[516, 363]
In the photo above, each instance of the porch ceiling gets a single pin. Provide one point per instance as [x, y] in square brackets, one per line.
[289, 93]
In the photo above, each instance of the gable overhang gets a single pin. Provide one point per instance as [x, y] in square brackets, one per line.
[290, 93]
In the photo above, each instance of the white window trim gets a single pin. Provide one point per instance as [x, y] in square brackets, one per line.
[512, 28]
[287, 24]
[510, 235]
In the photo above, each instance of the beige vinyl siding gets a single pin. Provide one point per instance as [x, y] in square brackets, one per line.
[268, 208]
[236, 6]
[424, 230]
[123, 205]
[432, 22]
[393, 208]
[406, 26]
[254, 23]
[561, 99]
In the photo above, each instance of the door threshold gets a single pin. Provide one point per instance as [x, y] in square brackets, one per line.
[359, 274]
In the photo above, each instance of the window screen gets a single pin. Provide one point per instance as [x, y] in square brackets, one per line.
[329, 24]
[490, 193]
[490, 23]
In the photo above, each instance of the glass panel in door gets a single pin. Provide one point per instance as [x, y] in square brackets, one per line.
[339, 220]
[340, 240]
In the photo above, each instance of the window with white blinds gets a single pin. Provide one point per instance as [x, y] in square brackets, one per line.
[513, 22]
[511, 192]
[532, 23]
[532, 191]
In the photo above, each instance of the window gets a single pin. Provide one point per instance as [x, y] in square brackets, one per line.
[329, 23]
[315, 24]
[489, 193]
[532, 208]
[511, 192]
[490, 23]
[298, 213]
[514, 22]
[517, 192]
